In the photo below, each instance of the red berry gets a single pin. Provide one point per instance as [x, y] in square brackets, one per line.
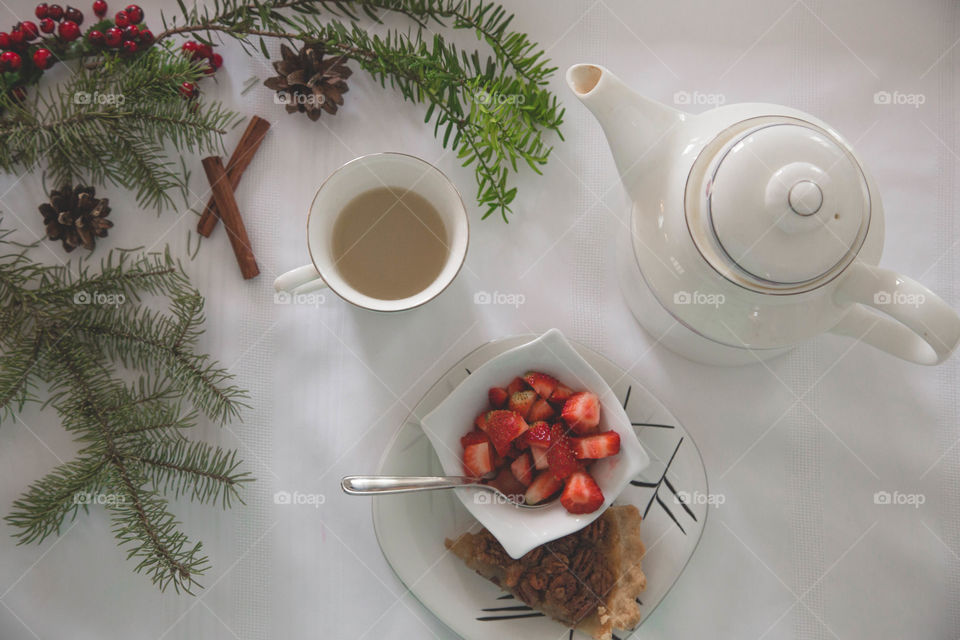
[10, 61]
[113, 37]
[131, 32]
[146, 37]
[188, 90]
[74, 15]
[55, 11]
[69, 30]
[95, 37]
[4, 40]
[135, 13]
[47, 25]
[19, 93]
[42, 10]
[203, 52]
[129, 46]
[30, 31]
[121, 19]
[189, 47]
[16, 38]
[43, 58]
[100, 8]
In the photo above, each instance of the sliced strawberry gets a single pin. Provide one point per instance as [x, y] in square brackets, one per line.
[543, 384]
[498, 397]
[538, 435]
[561, 394]
[478, 459]
[508, 485]
[473, 437]
[522, 401]
[522, 468]
[602, 445]
[541, 410]
[481, 421]
[560, 455]
[503, 427]
[539, 457]
[543, 486]
[582, 412]
[517, 384]
[581, 494]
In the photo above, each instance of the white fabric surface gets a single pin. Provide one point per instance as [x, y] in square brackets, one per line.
[797, 448]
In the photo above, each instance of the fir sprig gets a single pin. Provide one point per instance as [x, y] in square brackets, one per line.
[492, 111]
[78, 332]
[115, 124]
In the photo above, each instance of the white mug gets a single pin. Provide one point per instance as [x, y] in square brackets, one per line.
[399, 170]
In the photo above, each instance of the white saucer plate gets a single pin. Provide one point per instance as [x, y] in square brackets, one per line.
[671, 493]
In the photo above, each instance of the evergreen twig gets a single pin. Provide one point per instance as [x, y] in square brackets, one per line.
[115, 124]
[77, 332]
[492, 112]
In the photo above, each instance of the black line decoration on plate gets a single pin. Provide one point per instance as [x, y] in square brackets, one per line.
[655, 496]
[651, 424]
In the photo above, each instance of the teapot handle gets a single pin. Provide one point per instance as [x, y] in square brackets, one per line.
[921, 327]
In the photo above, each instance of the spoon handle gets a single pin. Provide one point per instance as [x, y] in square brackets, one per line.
[373, 485]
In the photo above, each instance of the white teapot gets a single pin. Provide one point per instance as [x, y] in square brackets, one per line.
[754, 227]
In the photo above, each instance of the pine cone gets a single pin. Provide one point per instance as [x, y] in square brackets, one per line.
[75, 217]
[307, 83]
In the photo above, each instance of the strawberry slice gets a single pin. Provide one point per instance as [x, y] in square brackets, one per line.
[508, 485]
[541, 410]
[560, 455]
[478, 459]
[582, 412]
[561, 394]
[522, 401]
[498, 397]
[539, 457]
[602, 445]
[522, 468]
[473, 437]
[517, 384]
[581, 494]
[543, 486]
[503, 427]
[543, 384]
[481, 421]
[538, 435]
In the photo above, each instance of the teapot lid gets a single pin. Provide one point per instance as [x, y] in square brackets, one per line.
[778, 203]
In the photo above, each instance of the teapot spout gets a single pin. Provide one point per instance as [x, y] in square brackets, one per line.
[633, 125]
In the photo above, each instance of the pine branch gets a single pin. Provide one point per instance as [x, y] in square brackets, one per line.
[112, 125]
[75, 331]
[193, 469]
[55, 498]
[493, 113]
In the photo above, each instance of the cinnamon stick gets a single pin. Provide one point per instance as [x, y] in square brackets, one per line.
[240, 159]
[230, 213]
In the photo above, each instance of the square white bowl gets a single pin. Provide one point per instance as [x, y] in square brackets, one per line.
[520, 530]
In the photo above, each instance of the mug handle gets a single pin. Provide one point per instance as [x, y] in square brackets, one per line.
[921, 327]
[300, 280]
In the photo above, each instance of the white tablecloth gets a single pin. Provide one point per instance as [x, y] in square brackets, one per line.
[798, 549]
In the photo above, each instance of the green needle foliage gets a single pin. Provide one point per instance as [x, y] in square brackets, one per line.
[115, 123]
[492, 111]
[83, 336]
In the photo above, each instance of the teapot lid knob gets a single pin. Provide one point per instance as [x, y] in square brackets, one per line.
[805, 198]
[782, 204]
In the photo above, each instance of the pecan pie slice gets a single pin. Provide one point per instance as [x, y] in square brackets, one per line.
[589, 579]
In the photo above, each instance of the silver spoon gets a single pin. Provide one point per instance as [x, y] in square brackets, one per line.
[381, 485]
